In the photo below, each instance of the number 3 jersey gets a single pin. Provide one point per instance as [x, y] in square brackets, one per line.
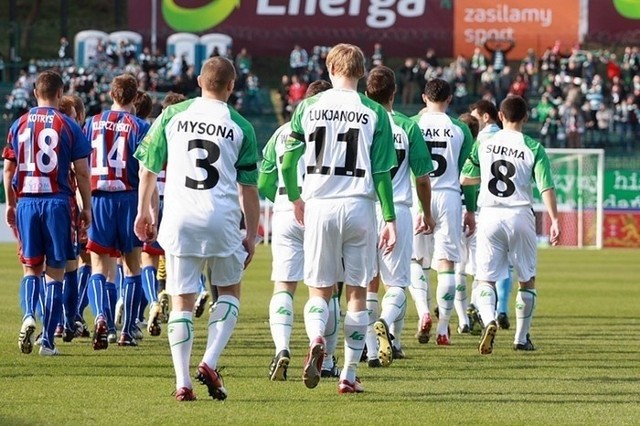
[506, 163]
[208, 148]
[44, 142]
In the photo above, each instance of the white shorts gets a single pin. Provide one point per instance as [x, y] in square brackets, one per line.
[444, 243]
[340, 231]
[183, 272]
[506, 236]
[395, 267]
[467, 264]
[287, 247]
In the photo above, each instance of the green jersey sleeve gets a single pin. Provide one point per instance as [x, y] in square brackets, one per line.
[246, 165]
[467, 144]
[471, 167]
[296, 138]
[152, 151]
[269, 160]
[541, 167]
[383, 154]
[419, 158]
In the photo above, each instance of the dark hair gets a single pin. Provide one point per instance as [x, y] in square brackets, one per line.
[48, 84]
[381, 84]
[485, 107]
[437, 90]
[143, 104]
[472, 122]
[124, 89]
[514, 109]
[316, 87]
[216, 73]
[173, 98]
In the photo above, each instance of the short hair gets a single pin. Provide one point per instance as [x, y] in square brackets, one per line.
[67, 104]
[472, 122]
[346, 60]
[48, 84]
[514, 109]
[124, 89]
[316, 87]
[173, 98]
[143, 104]
[381, 84]
[79, 106]
[216, 73]
[485, 107]
[437, 90]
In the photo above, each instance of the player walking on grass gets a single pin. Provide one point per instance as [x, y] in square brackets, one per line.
[210, 154]
[41, 147]
[413, 159]
[504, 165]
[348, 157]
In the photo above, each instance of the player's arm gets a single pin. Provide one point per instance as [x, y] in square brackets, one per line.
[421, 165]
[470, 174]
[294, 149]
[83, 181]
[470, 190]
[9, 170]
[268, 176]
[544, 180]
[145, 225]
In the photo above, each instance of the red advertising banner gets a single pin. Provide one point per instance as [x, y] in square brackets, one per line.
[272, 27]
[621, 228]
[614, 21]
[536, 24]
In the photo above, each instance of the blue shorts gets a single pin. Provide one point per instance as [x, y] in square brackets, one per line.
[154, 249]
[111, 230]
[45, 230]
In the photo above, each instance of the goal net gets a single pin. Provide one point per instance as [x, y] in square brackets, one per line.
[579, 182]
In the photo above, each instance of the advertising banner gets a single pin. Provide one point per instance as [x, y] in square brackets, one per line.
[272, 27]
[536, 24]
[614, 21]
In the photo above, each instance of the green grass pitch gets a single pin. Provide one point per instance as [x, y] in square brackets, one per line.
[586, 369]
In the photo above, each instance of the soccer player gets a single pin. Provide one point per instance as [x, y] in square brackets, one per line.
[287, 238]
[504, 165]
[449, 142]
[348, 157]
[41, 147]
[115, 134]
[210, 153]
[413, 159]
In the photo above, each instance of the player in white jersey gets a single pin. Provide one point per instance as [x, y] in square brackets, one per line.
[413, 158]
[287, 237]
[348, 158]
[210, 154]
[450, 143]
[505, 165]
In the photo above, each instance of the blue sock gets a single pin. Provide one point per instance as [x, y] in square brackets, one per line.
[132, 294]
[120, 280]
[40, 301]
[29, 291]
[52, 311]
[97, 295]
[70, 298]
[503, 289]
[110, 305]
[143, 304]
[203, 287]
[84, 272]
[150, 283]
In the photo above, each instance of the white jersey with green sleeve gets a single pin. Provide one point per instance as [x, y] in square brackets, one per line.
[272, 159]
[208, 148]
[488, 131]
[348, 139]
[449, 142]
[506, 164]
[412, 156]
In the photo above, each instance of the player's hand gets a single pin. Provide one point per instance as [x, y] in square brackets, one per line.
[298, 211]
[10, 216]
[469, 223]
[249, 245]
[144, 227]
[84, 221]
[554, 232]
[388, 238]
[424, 224]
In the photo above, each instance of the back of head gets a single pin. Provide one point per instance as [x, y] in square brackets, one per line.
[381, 84]
[472, 122]
[143, 104]
[346, 60]
[216, 73]
[437, 90]
[68, 106]
[316, 87]
[484, 106]
[79, 106]
[48, 84]
[514, 109]
[172, 98]
[124, 89]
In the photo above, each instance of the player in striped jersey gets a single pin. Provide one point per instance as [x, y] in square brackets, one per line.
[41, 147]
[413, 159]
[115, 134]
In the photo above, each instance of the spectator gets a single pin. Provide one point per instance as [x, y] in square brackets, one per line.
[285, 85]
[499, 50]
[489, 80]
[574, 125]
[552, 131]
[519, 87]
[530, 69]
[296, 91]
[627, 119]
[613, 69]
[377, 58]
[543, 108]
[432, 58]
[298, 60]
[604, 120]
[63, 50]
[252, 103]
[407, 81]
[478, 66]
[243, 61]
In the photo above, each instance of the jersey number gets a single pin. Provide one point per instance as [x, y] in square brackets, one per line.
[401, 154]
[213, 154]
[46, 157]
[439, 159]
[505, 178]
[350, 137]
[113, 160]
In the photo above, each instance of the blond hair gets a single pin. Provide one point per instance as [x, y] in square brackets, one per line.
[346, 60]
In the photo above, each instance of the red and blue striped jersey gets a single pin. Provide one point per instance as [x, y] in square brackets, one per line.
[114, 137]
[44, 142]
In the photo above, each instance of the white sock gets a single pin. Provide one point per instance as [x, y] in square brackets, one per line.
[419, 289]
[397, 326]
[486, 302]
[222, 321]
[180, 331]
[393, 303]
[525, 306]
[426, 272]
[460, 303]
[355, 328]
[474, 292]
[281, 319]
[372, 316]
[331, 331]
[316, 315]
[446, 293]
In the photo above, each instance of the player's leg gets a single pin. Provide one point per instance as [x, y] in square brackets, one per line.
[460, 302]
[503, 288]
[331, 333]
[420, 289]
[149, 278]
[132, 293]
[70, 300]
[371, 341]
[84, 273]
[396, 327]
[163, 297]
[111, 300]
[102, 267]
[281, 325]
